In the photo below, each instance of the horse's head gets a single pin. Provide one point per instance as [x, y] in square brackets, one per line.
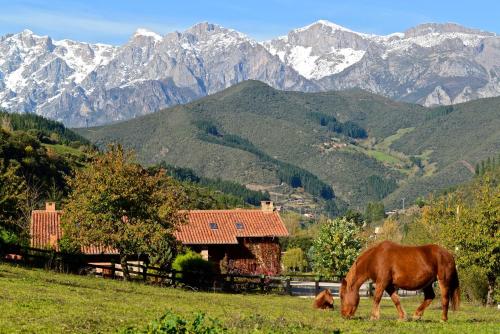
[328, 297]
[349, 300]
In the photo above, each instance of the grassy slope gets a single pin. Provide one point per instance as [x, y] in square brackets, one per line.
[470, 132]
[35, 301]
[276, 122]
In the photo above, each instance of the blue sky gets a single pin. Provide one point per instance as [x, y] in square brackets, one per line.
[113, 21]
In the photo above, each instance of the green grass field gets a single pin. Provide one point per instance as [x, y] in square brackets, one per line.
[63, 149]
[37, 301]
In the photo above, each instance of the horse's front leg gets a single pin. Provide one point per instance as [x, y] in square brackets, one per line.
[379, 291]
[392, 291]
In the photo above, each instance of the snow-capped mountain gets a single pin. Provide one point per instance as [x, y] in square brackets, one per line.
[81, 83]
[430, 64]
[35, 69]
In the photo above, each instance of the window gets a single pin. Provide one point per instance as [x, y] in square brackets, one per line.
[239, 226]
[213, 226]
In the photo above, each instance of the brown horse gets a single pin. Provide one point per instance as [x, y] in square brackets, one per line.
[324, 300]
[391, 266]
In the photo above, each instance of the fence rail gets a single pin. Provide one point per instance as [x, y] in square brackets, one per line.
[295, 284]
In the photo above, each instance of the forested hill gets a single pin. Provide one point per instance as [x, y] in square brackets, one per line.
[37, 155]
[42, 127]
[364, 147]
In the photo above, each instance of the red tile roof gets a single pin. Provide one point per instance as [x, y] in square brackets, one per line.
[46, 228]
[256, 223]
[45, 231]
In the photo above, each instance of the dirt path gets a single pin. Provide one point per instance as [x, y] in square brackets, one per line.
[468, 166]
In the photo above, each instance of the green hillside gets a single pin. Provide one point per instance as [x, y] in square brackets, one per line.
[362, 145]
[45, 129]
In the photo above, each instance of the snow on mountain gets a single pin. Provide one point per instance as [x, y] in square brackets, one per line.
[35, 69]
[147, 33]
[319, 49]
[82, 83]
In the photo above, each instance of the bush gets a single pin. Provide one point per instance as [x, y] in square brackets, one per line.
[294, 259]
[336, 247]
[171, 323]
[195, 270]
[474, 284]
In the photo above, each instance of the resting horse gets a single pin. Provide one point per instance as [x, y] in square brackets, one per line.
[391, 266]
[324, 300]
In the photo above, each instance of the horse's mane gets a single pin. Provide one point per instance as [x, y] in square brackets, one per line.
[352, 271]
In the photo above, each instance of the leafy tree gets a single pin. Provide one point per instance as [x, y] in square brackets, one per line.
[355, 217]
[336, 248]
[115, 203]
[12, 198]
[467, 221]
[374, 212]
[294, 259]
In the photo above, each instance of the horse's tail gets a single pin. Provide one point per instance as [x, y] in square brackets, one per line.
[454, 290]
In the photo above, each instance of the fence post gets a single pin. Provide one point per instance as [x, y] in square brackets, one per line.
[113, 269]
[288, 287]
[316, 285]
[145, 272]
[173, 277]
[262, 283]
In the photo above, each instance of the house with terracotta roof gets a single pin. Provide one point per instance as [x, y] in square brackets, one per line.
[239, 241]
[45, 232]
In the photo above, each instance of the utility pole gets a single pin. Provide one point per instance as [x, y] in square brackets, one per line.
[404, 203]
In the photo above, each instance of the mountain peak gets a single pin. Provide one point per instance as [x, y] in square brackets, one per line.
[143, 32]
[27, 32]
[324, 23]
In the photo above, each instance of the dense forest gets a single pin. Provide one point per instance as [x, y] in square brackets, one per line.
[235, 191]
[349, 128]
[288, 173]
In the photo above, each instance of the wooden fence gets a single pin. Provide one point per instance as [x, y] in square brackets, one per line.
[83, 265]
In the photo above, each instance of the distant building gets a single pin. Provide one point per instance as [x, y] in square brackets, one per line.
[243, 241]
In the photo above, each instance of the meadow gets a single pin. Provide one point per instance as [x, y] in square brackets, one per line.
[38, 301]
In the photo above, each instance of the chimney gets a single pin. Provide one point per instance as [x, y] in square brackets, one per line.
[267, 206]
[50, 206]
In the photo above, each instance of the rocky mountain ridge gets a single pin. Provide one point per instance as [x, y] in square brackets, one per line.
[89, 84]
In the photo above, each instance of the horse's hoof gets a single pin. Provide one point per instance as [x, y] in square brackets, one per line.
[374, 318]
[417, 317]
[403, 319]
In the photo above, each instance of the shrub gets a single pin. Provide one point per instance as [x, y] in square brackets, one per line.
[171, 323]
[474, 284]
[195, 270]
[336, 248]
[294, 259]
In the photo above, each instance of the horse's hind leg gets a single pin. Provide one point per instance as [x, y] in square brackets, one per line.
[429, 295]
[445, 299]
[391, 290]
